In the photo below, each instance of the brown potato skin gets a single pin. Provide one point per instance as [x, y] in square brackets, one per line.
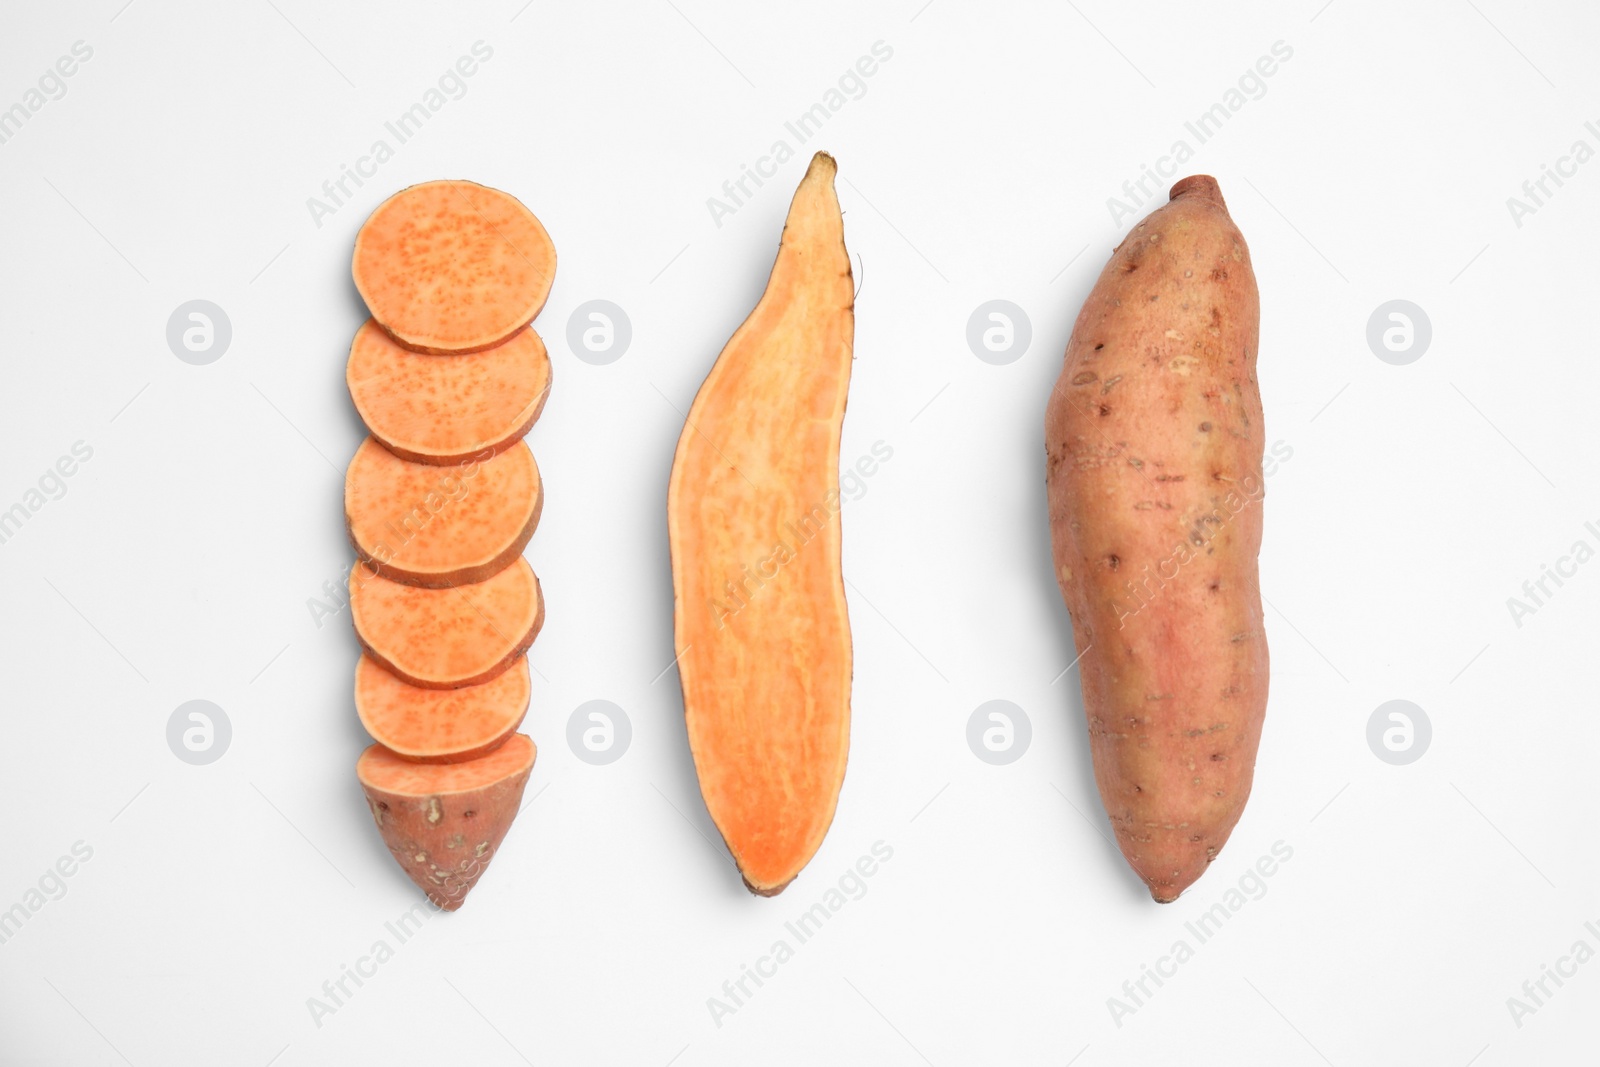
[445, 841]
[1153, 444]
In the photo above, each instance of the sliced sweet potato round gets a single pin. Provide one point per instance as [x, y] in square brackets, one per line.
[444, 409]
[447, 638]
[443, 822]
[440, 725]
[441, 526]
[453, 266]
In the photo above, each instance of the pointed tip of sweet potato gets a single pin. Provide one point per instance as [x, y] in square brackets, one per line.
[444, 822]
[765, 890]
[1168, 889]
[1169, 872]
[767, 871]
[1198, 187]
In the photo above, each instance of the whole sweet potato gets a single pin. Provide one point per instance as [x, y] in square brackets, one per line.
[1153, 442]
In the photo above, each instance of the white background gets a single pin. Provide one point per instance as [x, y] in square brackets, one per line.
[977, 165]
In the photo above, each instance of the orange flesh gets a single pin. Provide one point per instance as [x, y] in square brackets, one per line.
[440, 725]
[385, 771]
[754, 490]
[443, 409]
[453, 266]
[441, 526]
[447, 638]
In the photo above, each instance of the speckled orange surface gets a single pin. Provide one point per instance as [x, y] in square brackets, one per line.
[384, 770]
[443, 409]
[447, 638]
[759, 610]
[441, 526]
[440, 725]
[453, 266]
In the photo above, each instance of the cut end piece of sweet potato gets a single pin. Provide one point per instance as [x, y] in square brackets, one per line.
[453, 266]
[441, 526]
[444, 822]
[445, 409]
[766, 665]
[447, 638]
[440, 725]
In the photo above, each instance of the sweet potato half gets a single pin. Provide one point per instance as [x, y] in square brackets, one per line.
[444, 821]
[446, 409]
[447, 638]
[753, 517]
[440, 725]
[453, 266]
[1153, 443]
[441, 526]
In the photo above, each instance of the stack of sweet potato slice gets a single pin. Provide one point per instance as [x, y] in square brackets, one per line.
[440, 502]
